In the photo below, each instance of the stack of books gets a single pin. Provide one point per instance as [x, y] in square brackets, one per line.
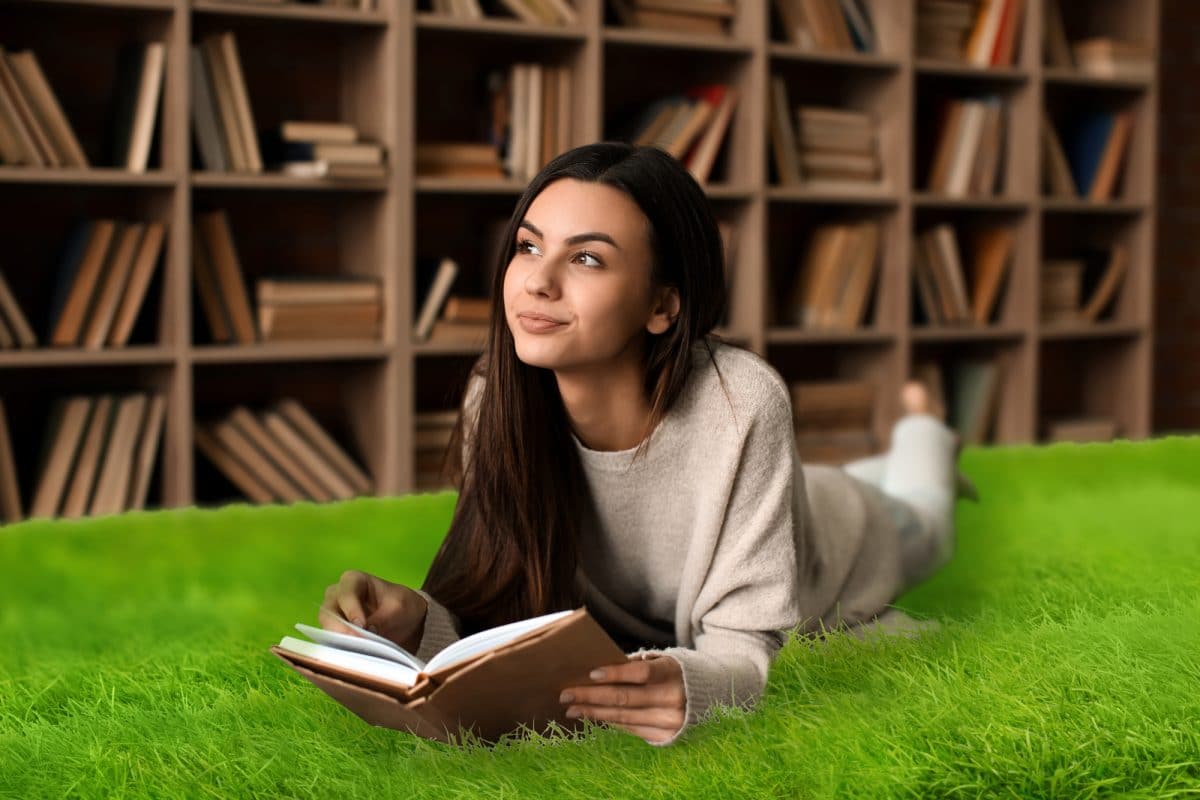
[1082, 289]
[434, 429]
[103, 278]
[15, 330]
[326, 150]
[827, 24]
[969, 147]
[451, 319]
[984, 33]
[688, 16]
[690, 126]
[1082, 429]
[459, 160]
[1090, 163]
[826, 144]
[832, 288]
[281, 454]
[1106, 57]
[942, 285]
[833, 420]
[535, 12]
[293, 308]
[220, 283]
[34, 130]
[221, 115]
[10, 486]
[99, 455]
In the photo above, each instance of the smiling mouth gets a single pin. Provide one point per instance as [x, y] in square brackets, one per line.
[534, 323]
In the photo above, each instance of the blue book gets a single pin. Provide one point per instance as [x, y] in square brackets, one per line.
[1085, 147]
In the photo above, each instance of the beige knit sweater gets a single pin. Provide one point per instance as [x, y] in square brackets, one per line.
[715, 543]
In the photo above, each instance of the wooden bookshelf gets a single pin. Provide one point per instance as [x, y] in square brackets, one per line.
[404, 75]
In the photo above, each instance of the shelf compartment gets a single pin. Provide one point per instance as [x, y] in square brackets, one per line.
[1012, 415]
[1105, 378]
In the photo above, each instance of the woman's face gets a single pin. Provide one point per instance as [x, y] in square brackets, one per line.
[577, 292]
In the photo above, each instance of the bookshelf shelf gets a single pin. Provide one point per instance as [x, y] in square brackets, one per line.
[289, 351]
[295, 12]
[279, 182]
[405, 77]
[85, 177]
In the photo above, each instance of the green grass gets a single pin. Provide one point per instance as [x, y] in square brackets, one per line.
[133, 659]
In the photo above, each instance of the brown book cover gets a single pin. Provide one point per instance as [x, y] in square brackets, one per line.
[434, 298]
[861, 272]
[64, 433]
[214, 228]
[303, 453]
[139, 281]
[237, 442]
[948, 272]
[1114, 271]
[112, 485]
[23, 146]
[248, 133]
[467, 309]
[1110, 161]
[45, 105]
[70, 320]
[83, 477]
[146, 450]
[237, 473]
[675, 21]
[10, 487]
[210, 299]
[704, 153]
[253, 428]
[1057, 50]
[1061, 289]
[550, 112]
[111, 285]
[948, 136]
[783, 139]
[303, 290]
[702, 8]
[469, 333]
[10, 313]
[926, 286]
[1056, 170]
[43, 153]
[991, 255]
[227, 113]
[330, 450]
[515, 684]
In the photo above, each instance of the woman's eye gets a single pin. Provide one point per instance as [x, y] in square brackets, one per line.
[595, 262]
[526, 246]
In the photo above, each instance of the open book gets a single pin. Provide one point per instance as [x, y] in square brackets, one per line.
[491, 682]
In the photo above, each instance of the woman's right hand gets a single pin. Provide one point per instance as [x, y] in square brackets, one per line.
[392, 610]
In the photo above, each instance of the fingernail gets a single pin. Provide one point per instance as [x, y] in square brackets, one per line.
[566, 697]
[597, 675]
[572, 713]
[358, 621]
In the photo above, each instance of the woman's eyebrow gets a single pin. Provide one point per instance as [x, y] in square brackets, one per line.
[593, 236]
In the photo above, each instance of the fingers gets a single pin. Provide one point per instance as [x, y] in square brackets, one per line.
[665, 695]
[345, 599]
[651, 735]
[668, 719]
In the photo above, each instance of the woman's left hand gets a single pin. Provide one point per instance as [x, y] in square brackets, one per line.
[645, 698]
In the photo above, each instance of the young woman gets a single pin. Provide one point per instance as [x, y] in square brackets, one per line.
[612, 453]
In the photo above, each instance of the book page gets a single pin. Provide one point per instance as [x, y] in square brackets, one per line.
[366, 642]
[486, 640]
[371, 666]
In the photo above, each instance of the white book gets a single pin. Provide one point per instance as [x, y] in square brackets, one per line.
[381, 658]
[146, 108]
[447, 272]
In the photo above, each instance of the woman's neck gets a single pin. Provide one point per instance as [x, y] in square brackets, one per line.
[608, 409]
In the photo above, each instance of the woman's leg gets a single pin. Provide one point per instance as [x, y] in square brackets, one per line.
[920, 478]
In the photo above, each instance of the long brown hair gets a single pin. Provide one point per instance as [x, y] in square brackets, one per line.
[512, 548]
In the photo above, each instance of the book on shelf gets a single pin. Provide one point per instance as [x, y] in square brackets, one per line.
[467, 309]
[1056, 50]
[843, 25]
[280, 454]
[974, 390]
[837, 144]
[14, 324]
[455, 332]
[943, 291]
[220, 278]
[490, 683]
[1057, 180]
[39, 133]
[329, 307]
[708, 17]
[324, 150]
[458, 160]
[831, 290]
[137, 96]
[435, 297]
[98, 454]
[833, 419]
[690, 125]
[530, 122]
[10, 486]
[534, 12]
[785, 154]
[88, 247]
[970, 141]
[431, 441]
[1082, 429]
[1082, 289]
[463, 9]
[982, 33]
[223, 118]
[1095, 144]
[1106, 57]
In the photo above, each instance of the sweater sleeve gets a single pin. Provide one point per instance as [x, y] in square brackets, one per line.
[441, 628]
[749, 593]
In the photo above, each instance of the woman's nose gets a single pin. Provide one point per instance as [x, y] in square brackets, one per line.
[543, 278]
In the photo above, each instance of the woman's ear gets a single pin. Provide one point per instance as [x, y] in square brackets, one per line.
[665, 310]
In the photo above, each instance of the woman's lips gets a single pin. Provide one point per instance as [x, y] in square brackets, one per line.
[538, 324]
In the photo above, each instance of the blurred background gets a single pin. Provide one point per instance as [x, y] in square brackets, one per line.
[248, 243]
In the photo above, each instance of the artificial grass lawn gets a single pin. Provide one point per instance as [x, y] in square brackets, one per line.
[134, 659]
